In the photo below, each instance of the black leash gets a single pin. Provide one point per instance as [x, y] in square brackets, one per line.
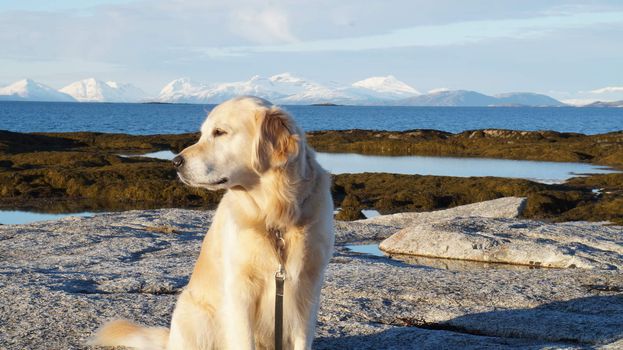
[280, 277]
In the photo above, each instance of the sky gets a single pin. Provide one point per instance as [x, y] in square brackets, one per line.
[571, 50]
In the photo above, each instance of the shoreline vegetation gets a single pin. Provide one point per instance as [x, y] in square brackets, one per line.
[78, 171]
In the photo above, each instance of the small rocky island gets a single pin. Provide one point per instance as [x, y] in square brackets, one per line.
[61, 279]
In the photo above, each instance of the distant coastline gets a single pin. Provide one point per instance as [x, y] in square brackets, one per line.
[596, 104]
[325, 104]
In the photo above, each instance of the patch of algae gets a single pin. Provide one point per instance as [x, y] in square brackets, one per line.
[60, 172]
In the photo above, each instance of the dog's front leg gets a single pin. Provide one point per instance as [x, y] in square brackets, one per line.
[307, 299]
[237, 299]
[236, 320]
[304, 327]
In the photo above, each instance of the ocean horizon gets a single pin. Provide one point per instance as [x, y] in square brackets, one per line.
[150, 118]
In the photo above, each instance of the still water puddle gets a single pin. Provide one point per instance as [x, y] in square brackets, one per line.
[545, 172]
[370, 213]
[166, 155]
[437, 263]
[17, 217]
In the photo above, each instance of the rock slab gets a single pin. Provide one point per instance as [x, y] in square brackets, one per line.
[512, 241]
[507, 207]
[60, 279]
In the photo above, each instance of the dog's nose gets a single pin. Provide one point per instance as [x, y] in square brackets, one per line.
[178, 161]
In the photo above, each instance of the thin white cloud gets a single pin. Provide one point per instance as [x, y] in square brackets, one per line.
[607, 90]
[265, 26]
[437, 35]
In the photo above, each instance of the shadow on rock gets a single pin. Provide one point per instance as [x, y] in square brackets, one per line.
[583, 322]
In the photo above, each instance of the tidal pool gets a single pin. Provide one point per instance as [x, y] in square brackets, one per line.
[16, 217]
[166, 155]
[437, 263]
[370, 213]
[545, 172]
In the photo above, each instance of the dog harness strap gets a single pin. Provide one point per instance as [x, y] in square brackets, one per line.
[280, 277]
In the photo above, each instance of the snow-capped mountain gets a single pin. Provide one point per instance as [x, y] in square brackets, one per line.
[384, 88]
[256, 86]
[276, 88]
[288, 84]
[300, 91]
[30, 90]
[93, 90]
[127, 92]
[182, 90]
[321, 94]
[286, 88]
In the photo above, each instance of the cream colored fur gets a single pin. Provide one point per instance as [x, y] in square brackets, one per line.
[256, 152]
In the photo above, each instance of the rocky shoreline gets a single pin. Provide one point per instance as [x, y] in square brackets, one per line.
[60, 279]
[71, 172]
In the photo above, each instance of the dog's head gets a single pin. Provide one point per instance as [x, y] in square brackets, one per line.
[240, 140]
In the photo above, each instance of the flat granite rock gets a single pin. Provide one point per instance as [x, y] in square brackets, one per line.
[507, 207]
[381, 227]
[60, 279]
[513, 241]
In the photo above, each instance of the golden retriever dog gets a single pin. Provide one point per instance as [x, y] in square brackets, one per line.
[255, 151]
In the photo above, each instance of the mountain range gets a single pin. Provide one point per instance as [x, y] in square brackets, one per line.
[285, 89]
[288, 89]
[87, 90]
[30, 90]
[93, 90]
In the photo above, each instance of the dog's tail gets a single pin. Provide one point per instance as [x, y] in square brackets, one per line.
[126, 333]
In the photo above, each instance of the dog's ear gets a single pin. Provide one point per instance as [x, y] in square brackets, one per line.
[277, 140]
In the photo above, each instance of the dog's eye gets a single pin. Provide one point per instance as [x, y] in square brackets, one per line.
[218, 132]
